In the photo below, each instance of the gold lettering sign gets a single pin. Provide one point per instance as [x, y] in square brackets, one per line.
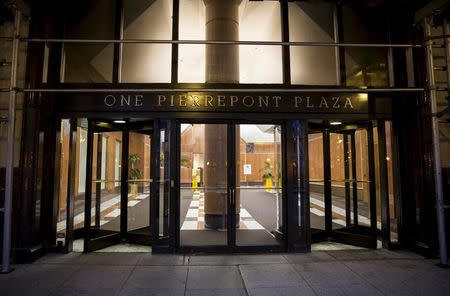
[238, 102]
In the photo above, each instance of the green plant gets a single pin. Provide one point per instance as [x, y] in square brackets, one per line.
[267, 171]
[185, 160]
[135, 173]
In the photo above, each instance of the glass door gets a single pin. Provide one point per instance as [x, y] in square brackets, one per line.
[104, 185]
[352, 180]
[204, 185]
[342, 196]
[139, 180]
[230, 186]
[70, 178]
[258, 196]
[316, 184]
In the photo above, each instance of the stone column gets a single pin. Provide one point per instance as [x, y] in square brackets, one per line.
[222, 24]
[222, 66]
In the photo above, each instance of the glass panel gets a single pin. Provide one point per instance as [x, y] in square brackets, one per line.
[80, 176]
[63, 162]
[362, 177]
[316, 181]
[81, 168]
[392, 200]
[258, 193]
[145, 63]
[204, 185]
[377, 176]
[139, 182]
[351, 185]
[340, 185]
[61, 187]
[365, 66]
[164, 178]
[259, 63]
[230, 63]
[105, 209]
[89, 62]
[312, 22]
[191, 57]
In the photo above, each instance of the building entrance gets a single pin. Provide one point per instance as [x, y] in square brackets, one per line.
[119, 183]
[342, 183]
[112, 183]
[222, 185]
[231, 180]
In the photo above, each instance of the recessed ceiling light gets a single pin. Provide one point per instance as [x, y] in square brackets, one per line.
[335, 123]
[119, 121]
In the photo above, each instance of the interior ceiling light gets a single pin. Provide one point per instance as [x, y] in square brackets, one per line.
[335, 123]
[119, 121]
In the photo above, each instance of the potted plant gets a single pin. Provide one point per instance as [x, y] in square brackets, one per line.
[267, 175]
[134, 173]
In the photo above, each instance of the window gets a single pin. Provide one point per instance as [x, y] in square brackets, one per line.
[89, 62]
[364, 66]
[312, 22]
[256, 21]
[147, 63]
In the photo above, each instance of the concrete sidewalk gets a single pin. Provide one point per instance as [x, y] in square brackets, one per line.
[343, 272]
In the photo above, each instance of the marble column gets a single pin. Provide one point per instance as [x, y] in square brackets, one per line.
[222, 66]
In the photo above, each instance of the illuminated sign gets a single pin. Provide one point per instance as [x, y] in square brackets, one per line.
[217, 102]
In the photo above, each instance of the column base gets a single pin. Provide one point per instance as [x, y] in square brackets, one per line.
[217, 222]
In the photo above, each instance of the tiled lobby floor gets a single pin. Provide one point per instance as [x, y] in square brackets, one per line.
[332, 272]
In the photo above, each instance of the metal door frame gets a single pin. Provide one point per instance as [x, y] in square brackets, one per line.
[231, 246]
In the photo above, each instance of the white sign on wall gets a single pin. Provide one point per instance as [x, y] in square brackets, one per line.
[247, 169]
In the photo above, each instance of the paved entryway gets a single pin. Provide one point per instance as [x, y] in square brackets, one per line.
[333, 272]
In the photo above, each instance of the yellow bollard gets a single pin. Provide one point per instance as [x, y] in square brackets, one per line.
[268, 184]
[194, 184]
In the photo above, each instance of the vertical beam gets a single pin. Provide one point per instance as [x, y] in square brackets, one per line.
[340, 37]
[231, 198]
[155, 176]
[347, 181]
[7, 210]
[446, 26]
[303, 163]
[169, 182]
[337, 49]
[372, 180]
[390, 57]
[98, 184]
[71, 185]
[118, 47]
[56, 186]
[355, 181]
[390, 63]
[175, 36]
[327, 181]
[291, 175]
[124, 184]
[174, 198]
[286, 56]
[88, 190]
[296, 185]
[384, 191]
[440, 215]
[396, 179]
[410, 67]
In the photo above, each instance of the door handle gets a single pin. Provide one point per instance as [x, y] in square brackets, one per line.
[232, 196]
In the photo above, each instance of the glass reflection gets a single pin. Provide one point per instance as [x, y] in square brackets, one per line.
[204, 185]
[258, 185]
